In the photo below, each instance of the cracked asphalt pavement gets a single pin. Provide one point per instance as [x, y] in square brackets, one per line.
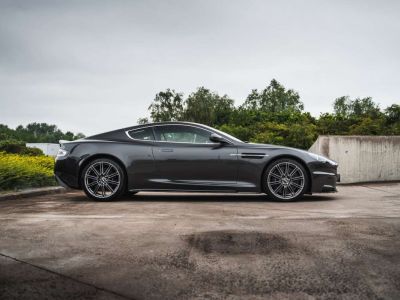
[203, 246]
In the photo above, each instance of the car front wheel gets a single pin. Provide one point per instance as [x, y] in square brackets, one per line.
[285, 180]
[103, 179]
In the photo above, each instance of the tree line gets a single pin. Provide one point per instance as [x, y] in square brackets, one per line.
[36, 133]
[275, 115]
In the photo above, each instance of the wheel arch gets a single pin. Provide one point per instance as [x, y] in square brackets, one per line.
[289, 156]
[93, 157]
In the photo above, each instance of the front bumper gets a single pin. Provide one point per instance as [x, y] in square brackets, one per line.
[324, 182]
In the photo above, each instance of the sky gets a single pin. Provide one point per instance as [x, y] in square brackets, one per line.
[94, 66]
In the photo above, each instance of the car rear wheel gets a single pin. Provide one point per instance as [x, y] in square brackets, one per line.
[103, 179]
[285, 180]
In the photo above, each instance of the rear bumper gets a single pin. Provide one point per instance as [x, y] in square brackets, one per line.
[65, 171]
[64, 183]
[324, 182]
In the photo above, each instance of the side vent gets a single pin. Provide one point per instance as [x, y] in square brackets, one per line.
[253, 155]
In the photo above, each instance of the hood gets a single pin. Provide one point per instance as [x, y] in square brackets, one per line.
[256, 145]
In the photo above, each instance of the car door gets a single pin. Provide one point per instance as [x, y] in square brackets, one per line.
[140, 164]
[185, 158]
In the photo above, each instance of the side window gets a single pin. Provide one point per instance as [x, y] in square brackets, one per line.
[145, 134]
[182, 134]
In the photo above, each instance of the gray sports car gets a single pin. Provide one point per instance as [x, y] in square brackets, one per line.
[183, 156]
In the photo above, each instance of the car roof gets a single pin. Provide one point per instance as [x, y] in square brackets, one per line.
[122, 131]
[165, 123]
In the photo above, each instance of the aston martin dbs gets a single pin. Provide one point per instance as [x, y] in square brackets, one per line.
[183, 156]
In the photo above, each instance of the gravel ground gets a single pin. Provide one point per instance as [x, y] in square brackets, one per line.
[203, 246]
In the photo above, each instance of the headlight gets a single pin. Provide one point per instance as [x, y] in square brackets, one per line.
[322, 158]
[61, 153]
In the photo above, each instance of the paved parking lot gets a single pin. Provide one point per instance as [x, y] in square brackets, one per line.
[167, 246]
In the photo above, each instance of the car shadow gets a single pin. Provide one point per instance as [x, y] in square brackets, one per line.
[197, 197]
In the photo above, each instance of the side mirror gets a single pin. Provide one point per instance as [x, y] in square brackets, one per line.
[215, 138]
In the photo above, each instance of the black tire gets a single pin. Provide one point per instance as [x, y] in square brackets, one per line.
[104, 182]
[294, 185]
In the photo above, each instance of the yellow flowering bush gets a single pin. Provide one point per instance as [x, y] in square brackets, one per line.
[23, 171]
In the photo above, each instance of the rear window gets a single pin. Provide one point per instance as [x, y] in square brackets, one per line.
[144, 134]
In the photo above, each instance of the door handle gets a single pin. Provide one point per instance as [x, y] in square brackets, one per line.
[167, 150]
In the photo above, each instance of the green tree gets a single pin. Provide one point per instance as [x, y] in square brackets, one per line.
[368, 126]
[359, 107]
[392, 114]
[167, 106]
[271, 133]
[341, 106]
[37, 133]
[79, 135]
[333, 124]
[299, 135]
[223, 108]
[206, 107]
[143, 121]
[6, 132]
[274, 98]
[276, 115]
[244, 133]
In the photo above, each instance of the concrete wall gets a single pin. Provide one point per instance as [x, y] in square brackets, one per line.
[362, 158]
[47, 148]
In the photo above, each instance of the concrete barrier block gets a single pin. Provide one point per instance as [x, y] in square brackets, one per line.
[362, 158]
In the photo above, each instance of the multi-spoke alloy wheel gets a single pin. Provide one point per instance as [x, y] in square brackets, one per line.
[103, 179]
[285, 180]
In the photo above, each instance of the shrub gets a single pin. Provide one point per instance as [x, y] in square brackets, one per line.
[32, 151]
[24, 171]
[12, 146]
[18, 147]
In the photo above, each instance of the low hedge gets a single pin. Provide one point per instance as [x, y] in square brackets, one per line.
[24, 171]
[19, 147]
